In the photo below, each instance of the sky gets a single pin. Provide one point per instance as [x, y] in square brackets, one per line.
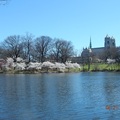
[72, 20]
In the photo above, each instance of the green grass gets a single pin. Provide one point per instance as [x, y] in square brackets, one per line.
[102, 67]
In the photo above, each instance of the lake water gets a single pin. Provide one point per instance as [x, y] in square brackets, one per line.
[63, 96]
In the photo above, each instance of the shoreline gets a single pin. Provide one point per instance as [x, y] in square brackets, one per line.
[50, 71]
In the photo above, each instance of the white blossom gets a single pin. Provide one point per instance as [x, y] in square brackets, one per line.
[20, 66]
[9, 64]
[69, 65]
[60, 65]
[19, 59]
[76, 65]
[48, 65]
[35, 65]
[110, 61]
[72, 65]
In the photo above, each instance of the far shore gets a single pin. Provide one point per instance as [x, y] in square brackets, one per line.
[21, 67]
[55, 71]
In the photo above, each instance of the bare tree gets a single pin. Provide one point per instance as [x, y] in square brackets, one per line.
[116, 54]
[62, 50]
[66, 51]
[28, 47]
[56, 50]
[2, 52]
[111, 53]
[43, 46]
[13, 46]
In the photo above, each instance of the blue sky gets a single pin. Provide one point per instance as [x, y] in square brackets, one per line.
[73, 20]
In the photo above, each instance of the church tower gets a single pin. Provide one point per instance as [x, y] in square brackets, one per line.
[109, 42]
[90, 46]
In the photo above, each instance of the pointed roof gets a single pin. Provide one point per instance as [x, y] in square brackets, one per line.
[90, 46]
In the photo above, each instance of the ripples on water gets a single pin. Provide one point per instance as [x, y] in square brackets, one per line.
[73, 96]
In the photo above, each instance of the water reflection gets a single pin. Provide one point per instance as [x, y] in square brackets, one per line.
[111, 88]
[111, 93]
[60, 96]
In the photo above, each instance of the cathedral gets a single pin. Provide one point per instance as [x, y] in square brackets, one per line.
[109, 42]
[97, 54]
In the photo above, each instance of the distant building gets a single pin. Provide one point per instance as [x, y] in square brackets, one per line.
[95, 53]
[109, 42]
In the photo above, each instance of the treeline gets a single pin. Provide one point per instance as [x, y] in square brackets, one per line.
[36, 49]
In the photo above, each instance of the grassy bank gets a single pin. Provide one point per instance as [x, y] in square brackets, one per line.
[102, 67]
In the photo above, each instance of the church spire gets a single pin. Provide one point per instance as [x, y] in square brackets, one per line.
[90, 46]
